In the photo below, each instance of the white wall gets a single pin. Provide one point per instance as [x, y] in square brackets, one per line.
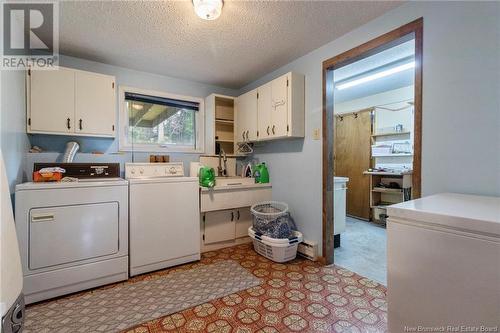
[13, 140]
[461, 101]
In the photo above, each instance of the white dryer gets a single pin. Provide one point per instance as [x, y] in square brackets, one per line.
[164, 213]
[73, 236]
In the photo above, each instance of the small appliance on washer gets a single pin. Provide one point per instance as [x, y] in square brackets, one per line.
[164, 216]
[73, 235]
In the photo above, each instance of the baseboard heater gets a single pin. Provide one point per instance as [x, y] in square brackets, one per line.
[308, 250]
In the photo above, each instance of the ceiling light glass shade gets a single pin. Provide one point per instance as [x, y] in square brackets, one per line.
[375, 76]
[208, 9]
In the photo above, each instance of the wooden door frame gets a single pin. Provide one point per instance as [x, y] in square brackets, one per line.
[362, 51]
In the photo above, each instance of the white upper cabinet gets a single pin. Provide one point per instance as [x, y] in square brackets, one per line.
[94, 104]
[279, 107]
[246, 117]
[264, 114]
[280, 110]
[71, 102]
[51, 101]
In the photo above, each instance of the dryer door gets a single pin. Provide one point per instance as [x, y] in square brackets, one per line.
[60, 235]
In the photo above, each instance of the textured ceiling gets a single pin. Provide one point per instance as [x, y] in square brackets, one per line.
[249, 40]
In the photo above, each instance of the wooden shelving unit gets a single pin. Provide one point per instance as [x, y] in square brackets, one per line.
[383, 196]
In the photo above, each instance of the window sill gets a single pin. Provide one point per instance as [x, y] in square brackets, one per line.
[129, 149]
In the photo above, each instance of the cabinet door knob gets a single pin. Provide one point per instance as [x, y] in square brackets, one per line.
[68, 123]
[238, 215]
[247, 134]
[267, 130]
[243, 135]
[232, 216]
[80, 124]
[273, 129]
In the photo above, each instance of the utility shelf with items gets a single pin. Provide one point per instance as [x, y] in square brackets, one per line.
[375, 135]
[387, 188]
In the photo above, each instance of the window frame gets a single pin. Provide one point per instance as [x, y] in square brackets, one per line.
[123, 121]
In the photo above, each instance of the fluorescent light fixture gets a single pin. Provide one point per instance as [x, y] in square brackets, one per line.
[208, 9]
[375, 76]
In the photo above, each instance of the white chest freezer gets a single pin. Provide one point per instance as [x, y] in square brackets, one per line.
[444, 264]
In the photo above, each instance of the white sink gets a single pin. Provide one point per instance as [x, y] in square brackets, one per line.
[233, 181]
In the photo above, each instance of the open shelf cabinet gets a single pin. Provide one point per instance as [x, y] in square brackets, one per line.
[220, 118]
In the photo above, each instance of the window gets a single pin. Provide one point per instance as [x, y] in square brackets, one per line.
[160, 122]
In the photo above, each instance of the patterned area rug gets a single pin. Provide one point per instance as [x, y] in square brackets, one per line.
[297, 296]
[115, 309]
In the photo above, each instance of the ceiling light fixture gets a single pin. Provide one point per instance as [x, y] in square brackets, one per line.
[375, 76]
[208, 9]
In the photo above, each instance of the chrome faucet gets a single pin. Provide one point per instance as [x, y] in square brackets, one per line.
[222, 171]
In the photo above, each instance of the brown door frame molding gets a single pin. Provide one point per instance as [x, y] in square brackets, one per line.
[362, 51]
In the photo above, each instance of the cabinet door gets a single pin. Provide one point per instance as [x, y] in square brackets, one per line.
[246, 114]
[243, 222]
[279, 113]
[241, 124]
[219, 226]
[264, 111]
[95, 104]
[52, 100]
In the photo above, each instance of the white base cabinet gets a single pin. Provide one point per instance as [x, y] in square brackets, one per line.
[225, 214]
[70, 102]
[225, 225]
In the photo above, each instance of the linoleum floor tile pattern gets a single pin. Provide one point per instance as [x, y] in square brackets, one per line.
[298, 296]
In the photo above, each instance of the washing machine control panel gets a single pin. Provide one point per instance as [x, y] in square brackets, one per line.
[153, 170]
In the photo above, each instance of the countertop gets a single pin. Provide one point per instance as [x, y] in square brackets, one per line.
[235, 187]
[469, 213]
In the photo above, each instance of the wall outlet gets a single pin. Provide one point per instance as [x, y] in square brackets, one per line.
[316, 134]
[308, 249]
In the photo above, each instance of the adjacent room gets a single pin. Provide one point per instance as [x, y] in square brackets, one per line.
[250, 166]
[373, 152]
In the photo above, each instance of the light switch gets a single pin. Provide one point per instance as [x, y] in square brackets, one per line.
[316, 134]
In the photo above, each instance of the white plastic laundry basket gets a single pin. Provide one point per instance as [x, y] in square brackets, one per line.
[276, 249]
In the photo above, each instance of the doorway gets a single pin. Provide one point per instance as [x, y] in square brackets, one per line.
[371, 142]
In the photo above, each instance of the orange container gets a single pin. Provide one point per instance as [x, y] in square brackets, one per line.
[46, 176]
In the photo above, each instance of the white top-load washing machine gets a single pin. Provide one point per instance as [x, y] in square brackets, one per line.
[73, 235]
[11, 279]
[164, 216]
